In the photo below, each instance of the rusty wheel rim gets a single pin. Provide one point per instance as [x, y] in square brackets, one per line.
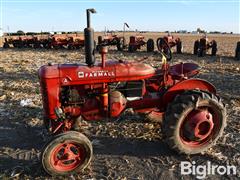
[199, 127]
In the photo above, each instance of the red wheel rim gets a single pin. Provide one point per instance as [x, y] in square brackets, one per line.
[67, 156]
[199, 127]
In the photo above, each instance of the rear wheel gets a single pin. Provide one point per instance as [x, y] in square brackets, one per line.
[194, 121]
[67, 153]
[100, 39]
[120, 44]
[6, 45]
[179, 47]
[214, 48]
[237, 53]
[132, 48]
[196, 46]
[150, 45]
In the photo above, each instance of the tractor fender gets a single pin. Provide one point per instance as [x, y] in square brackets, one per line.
[190, 84]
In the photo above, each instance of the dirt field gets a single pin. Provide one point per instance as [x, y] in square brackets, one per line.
[132, 147]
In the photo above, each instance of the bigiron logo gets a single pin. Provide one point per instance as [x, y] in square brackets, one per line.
[96, 74]
[201, 171]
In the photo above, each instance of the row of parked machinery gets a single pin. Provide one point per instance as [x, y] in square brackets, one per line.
[55, 41]
[75, 41]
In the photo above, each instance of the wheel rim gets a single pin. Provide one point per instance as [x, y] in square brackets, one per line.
[199, 127]
[67, 156]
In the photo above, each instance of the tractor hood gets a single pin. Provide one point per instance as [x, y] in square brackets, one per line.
[82, 74]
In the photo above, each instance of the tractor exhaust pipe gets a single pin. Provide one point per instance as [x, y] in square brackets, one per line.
[89, 40]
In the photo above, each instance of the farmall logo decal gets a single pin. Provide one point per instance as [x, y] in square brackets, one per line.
[95, 74]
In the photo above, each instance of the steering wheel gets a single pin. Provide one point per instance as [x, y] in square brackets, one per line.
[164, 48]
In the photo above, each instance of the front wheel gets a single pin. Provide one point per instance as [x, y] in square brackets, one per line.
[194, 121]
[67, 153]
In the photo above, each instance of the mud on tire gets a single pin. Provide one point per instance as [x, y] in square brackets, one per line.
[67, 153]
[193, 122]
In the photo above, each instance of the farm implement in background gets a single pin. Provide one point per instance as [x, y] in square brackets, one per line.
[55, 41]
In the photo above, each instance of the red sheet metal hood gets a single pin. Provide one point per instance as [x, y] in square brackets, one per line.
[113, 71]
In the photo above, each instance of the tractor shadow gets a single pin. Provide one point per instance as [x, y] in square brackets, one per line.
[130, 147]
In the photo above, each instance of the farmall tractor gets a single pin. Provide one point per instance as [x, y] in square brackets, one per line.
[169, 41]
[136, 42]
[193, 115]
[202, 45]
[110, 39]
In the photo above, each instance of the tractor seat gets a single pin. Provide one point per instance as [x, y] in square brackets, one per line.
[179, 71]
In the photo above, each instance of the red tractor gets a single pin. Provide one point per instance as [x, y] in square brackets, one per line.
[136, 42]
[193, 115]
[171, 42]
[111, 40]
[202, 45]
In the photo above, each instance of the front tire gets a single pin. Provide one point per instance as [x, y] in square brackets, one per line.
[67, 153]
[193, 122]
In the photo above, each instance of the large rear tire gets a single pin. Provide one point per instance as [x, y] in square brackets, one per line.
[6, 45]
[150, 45]
[132, 48]
[67, 153]
[179, 47]
[214, 48]
[237, 53]
[193, 122]
[100, 40]
[195, 48]
[120, 44]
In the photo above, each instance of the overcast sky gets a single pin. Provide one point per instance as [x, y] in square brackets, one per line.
[154, 15]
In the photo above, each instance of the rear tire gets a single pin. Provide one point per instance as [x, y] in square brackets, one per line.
[195, 48]
[6, 45]
[120, 44]
[100, 40]
[131, 48]
[177, 123]
[237, 53]
[179, 47]
[214, 48]
[66, 154]
[150, 45]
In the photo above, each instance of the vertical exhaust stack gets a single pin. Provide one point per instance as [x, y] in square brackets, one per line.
[89, 40]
